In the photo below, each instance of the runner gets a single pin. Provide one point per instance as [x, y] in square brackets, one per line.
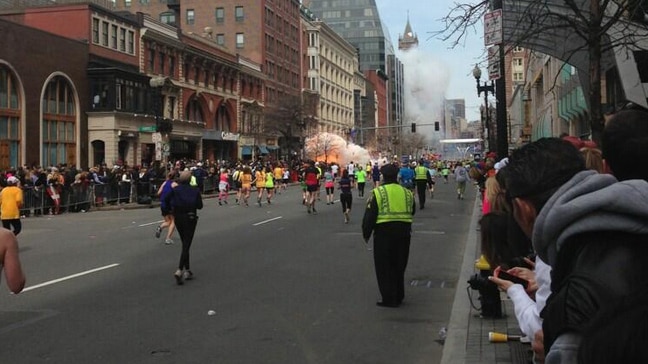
[361, 178]
[269, 184]
[278, 175]
[236, 182]
[375, 175]
[351, 170]
[223, 185]
[285, 178]
[329, 184]
[311, 178]
[246, 184]
[346, 197]
[260, 180]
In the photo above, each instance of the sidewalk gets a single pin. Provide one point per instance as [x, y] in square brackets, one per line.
[467, 333]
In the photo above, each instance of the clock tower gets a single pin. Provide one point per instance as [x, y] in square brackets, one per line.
[409, 39]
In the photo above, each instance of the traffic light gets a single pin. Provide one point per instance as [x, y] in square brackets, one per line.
[436, 126]
[413, 127]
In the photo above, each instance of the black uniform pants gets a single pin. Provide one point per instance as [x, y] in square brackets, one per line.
[186, 226]
[421, 189]
[391, 253]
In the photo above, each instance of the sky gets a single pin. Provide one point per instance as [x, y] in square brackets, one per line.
[436, 68]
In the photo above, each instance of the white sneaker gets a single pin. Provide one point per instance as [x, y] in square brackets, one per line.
[168, 242]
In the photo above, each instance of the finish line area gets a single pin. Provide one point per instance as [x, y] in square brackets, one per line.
[461, 149]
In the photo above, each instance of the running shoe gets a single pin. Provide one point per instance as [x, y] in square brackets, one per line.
[178, 277]
[187, 275]
[158, 231]
[168, 242]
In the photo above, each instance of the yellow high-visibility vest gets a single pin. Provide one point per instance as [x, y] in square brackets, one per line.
[421, 173]
[394, 203]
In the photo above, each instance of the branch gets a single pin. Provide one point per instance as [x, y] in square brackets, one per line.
[460, 18]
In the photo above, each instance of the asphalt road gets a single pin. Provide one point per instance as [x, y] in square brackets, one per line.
[285, 287]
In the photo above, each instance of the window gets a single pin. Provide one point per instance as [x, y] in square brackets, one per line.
[517, 62]
[151, 60]
[168, 18]
[220, 15]
[122, 39]
[191, 16]
[517, 49]
[118, 96]
[131, 42]
[162, 62]
[59, 119]
[220, 39]
[238, 13]
[127, 3]
[104, 34]
[95, 30]
[240, 40]
[517, 76]
[113, 36]
[171, 66]
[9, 117]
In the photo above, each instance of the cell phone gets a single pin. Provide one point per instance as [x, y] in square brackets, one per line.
[509, 277]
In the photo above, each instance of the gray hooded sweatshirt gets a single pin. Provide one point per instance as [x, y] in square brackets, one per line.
[589, 202]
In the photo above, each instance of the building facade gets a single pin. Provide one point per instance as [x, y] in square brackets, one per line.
[358, 21]
[43, 99]
[331, 70]
[263, 32]
[153, 93]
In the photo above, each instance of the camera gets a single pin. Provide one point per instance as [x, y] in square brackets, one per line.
[478, 282]
[489, 295]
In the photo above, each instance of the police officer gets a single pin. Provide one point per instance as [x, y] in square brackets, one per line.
[388, 216]
[421, 181]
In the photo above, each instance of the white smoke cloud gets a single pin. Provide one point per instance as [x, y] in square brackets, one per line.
[426, 82]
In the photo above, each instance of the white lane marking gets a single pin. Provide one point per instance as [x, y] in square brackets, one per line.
[267, 221]
[151, 223]
[69, 277]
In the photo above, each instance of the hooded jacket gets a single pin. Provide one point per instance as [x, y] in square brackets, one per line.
[593, 232]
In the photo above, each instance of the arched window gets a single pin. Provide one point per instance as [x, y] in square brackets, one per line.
[222, 119]
[10, 111]
[194, 111]
[59, 123]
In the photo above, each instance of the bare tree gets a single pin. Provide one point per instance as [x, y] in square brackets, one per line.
[290, 118]
[325, 145]
[413, 143]
[587, 34]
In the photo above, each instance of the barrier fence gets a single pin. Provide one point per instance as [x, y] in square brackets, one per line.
[83, 197]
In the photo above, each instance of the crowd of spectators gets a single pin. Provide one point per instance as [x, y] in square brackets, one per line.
[66, 188]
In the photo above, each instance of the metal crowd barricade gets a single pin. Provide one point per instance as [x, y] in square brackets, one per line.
[210, 185]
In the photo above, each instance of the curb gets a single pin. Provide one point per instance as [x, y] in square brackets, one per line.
[454, 348]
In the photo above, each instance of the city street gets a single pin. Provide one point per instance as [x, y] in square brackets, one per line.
[284, 287]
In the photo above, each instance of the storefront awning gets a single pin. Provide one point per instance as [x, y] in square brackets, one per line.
[263, 149]
[246, 150]
[272, 147]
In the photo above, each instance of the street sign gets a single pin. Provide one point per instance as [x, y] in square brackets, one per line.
[156, 137]
[493, 27]
[148, 129]
[494, 62]
[158, 151]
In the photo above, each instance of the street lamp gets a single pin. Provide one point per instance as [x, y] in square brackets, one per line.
[486, 88]
[163, 127]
